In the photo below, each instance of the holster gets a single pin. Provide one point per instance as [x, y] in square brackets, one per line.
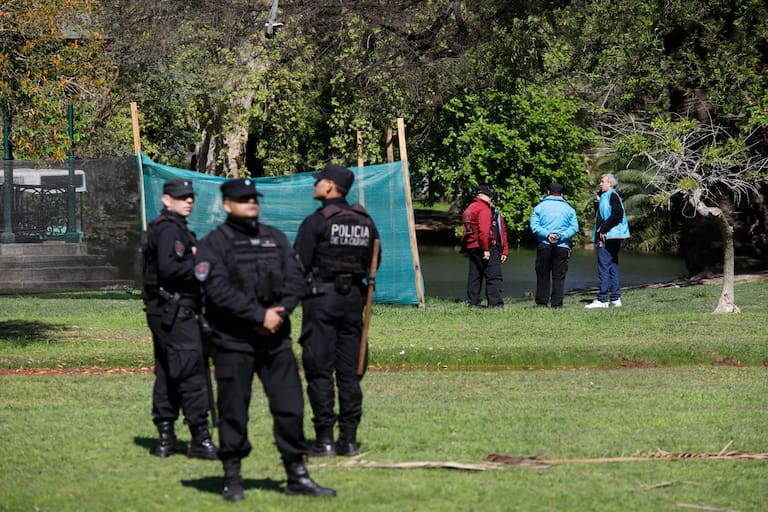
[170, 308]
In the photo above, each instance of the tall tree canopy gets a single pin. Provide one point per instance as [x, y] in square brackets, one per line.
[52, 55]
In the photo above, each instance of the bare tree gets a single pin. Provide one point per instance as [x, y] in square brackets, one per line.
[703, 164]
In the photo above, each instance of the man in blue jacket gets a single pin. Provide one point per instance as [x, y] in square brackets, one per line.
[611, 228]
[554, 222]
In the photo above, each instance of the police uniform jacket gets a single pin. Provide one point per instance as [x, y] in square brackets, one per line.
[169, 262]
[312, 233]
[246, 267]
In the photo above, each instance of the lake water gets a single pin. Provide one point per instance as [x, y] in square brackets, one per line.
[445, 271]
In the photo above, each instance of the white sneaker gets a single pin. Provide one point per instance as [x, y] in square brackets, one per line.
[616, 303]
[595, 304]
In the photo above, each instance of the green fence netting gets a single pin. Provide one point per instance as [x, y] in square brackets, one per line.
[288, 200]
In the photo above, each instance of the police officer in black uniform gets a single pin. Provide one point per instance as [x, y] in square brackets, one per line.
[335, 245]
[252, 281]
[172, 299]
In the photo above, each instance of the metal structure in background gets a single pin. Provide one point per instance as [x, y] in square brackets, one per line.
[40, 204]
[6, 234]
[72, 235]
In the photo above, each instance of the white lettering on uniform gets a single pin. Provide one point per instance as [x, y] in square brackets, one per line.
[351, 235]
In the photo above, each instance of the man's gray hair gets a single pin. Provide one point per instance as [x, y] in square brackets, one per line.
[612, 179]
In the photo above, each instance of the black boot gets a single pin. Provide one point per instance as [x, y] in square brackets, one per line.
[346, 448]
[201, 446]
[233, 481]
[323, 444]
[166, 442]
[322, 448]
[299, 482]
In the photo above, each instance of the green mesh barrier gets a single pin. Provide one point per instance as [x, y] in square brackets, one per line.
[288, 200]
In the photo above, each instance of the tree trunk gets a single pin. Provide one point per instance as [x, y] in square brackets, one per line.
[727, 302]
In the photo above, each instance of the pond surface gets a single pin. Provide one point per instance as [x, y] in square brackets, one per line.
[445, 271]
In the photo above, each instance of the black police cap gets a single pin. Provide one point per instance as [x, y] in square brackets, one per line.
[340, 175]
[178, 188]
[240, 188]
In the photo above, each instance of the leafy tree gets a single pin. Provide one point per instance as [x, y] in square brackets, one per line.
[50, 55]
[517, 143]
[703, 164]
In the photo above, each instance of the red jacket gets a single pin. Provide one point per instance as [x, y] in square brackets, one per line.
[477, 232]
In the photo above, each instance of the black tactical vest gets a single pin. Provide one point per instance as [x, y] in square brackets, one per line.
[347, 244]
[149, 253]
[257, 263]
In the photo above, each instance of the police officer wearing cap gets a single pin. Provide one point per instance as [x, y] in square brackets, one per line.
[172, 298]
[335, 244]
[484, 242]
[252, 281]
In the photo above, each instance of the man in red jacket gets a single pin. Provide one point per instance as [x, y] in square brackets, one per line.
[484, 241]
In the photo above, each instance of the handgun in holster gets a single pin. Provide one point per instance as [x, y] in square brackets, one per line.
[170, 308]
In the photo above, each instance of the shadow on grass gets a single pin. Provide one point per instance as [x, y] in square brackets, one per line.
[149, 444]
[21, 333]
[214, 484]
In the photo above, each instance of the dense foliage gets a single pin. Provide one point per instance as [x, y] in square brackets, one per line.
[506, 91]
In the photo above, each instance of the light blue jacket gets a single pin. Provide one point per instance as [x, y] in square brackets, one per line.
[621, 230]
[554, 215]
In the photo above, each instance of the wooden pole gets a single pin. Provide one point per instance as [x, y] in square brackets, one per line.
[360, 168]
[409, 206]
[388, 143]
[137, 150]
[361, 367]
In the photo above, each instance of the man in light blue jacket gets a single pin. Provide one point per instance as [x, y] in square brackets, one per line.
[554, 222]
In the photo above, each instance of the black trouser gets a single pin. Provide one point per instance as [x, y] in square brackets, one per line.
[488, 270]
[330, 340]
[179, 379]
[279, 375]
[551, 267]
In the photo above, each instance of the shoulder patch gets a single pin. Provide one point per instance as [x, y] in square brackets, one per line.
[178, 248]
[201, 271]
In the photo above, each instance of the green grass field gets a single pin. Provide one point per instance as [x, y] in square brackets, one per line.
[447, 384]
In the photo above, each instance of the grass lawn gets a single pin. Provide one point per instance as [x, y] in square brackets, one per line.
[447, 384]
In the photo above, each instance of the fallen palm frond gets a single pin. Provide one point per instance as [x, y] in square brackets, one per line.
[498, 461]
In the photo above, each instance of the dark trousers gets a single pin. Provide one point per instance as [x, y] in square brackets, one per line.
[279, 375]
[551, 267]
[180, 383]
[484, 270]
[608, 270]
[330, 340]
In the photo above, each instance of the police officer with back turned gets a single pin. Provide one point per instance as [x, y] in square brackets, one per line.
[252, 281]
[335, 245]
[172, 299]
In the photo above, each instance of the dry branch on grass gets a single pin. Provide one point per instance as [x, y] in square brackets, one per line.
[498, 461]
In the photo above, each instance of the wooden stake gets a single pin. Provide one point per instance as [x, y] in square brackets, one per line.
[409, 206]
[360, 168]
[137, 150]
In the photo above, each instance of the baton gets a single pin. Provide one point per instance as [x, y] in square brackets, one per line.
[361, 366]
